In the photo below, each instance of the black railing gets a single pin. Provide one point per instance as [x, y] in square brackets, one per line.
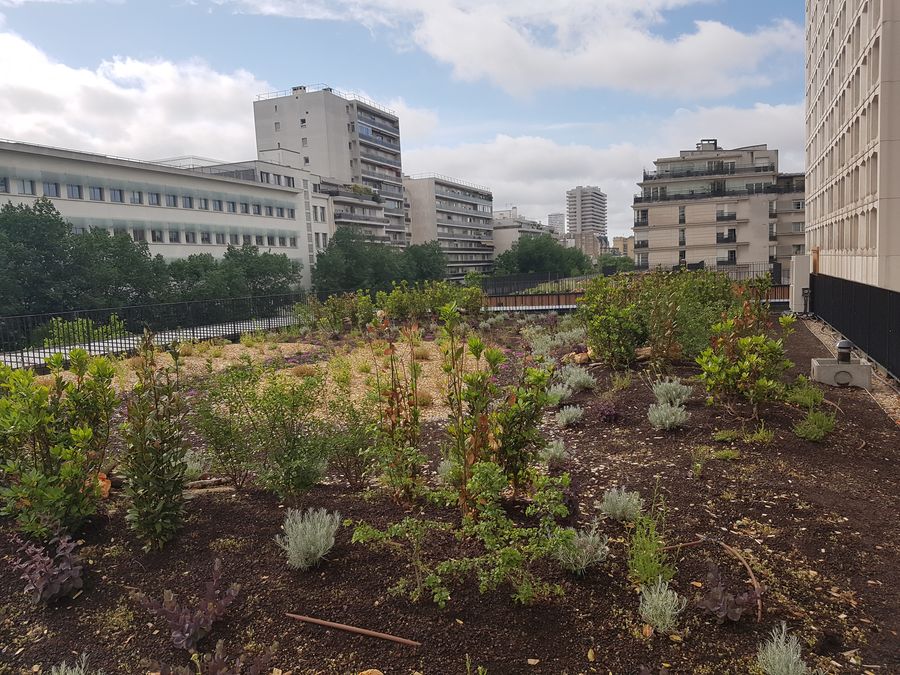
[28, 340]
[641, 243]
[709, 171]
[723, 217]
[708, 194]
[868, 316]
[729, 238]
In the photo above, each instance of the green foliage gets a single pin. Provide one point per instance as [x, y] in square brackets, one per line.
[815, 426]
[558, 393]
[660, 606]
[53, 442]
[583, 549]
[804, 394]
[727, 435]
[155, 446]
[761, 436]
[622, 505]
[620, 381]
[610, 314]
[569, 416]
[648, 563]
[407, 302]
[78, 667]
[517, 422]
[780, 654]
[575, 377]
[670, 391]
[726, 455]
[308, 536]
[542, 254]
[699, 457]
[554, 454]
[665, 417]
[60, 332]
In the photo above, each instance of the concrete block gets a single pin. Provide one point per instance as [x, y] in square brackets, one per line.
[857, 373]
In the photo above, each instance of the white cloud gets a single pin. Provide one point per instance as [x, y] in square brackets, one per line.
[417, 124]
[22, 3]
[523, 46]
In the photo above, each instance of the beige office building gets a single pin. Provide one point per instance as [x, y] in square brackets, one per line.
[724, 208]
[586, 212]
[853, 138]
[178, 207]
[624, 246]
[459, 215]
[348, 140]
[509, 227]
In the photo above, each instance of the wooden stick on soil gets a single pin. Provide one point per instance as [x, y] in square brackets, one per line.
[354, 629]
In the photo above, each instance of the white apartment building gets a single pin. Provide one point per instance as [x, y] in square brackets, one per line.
[556, 222]
[346, 139]
[459, 215]
[178, 207]
[853, 139]
[721, 207]
[509, 227]
[586, 210]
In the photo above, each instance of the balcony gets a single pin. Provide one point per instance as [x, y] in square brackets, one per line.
[642, 223]
[773, 236]
[726, 262]
[467, 197]
[372, 157]
[380, 176]
[726, 238]
[714, 171]
[642, 243]
[347, 216]
[705, 194]
[381, 143]
[722, 217]
[377, 122]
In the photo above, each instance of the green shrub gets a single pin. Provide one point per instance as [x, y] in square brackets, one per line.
[648, 563]
[804, 394]
[622, 505]
[78, 667]
[583, 549]
[53, 442]
[609, 311]
[780, 654]
[665, 417]
[554, 453]
[155, 446]
[575, 378]
[815, 426]
[519, 439]
[761, 436]
[308, 536]
[660, 606]
[727, 435]
[569, 416]
[558, 393]
[670, 391]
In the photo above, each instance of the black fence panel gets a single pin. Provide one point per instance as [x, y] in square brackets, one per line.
[27, 341]
[866, 315]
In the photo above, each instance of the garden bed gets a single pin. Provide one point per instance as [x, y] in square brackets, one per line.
[816, 521]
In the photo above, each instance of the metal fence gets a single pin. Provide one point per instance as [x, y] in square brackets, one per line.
[27, 341]
[866, 315]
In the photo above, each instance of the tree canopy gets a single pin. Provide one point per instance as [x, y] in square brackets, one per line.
[45, 267]
[542, 254]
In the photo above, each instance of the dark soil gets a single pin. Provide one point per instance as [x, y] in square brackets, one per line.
[817, 522]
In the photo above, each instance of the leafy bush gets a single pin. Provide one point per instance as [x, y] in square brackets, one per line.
[665, 417]
[722, 604]
[815, 426]
[622, 505]
[78, 667]
[308, 536]
[558, 393]
[61, 333]
[804, 394]
[585, 548]
[518, 437]
[660, 606]
[610, 315]
[780, 654]
[569, 416]
[554, 453]
[49, 578]
[155, 447]
[190, 624]
[576, 378]
[647, 561]
[670, 391]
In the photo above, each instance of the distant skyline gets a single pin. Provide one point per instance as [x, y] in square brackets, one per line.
[529, 98]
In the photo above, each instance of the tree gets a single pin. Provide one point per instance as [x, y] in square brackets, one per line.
[424, 262]
[543, 254]
[618, 263]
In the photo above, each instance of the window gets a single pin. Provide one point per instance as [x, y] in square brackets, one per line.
[139, 235]
[245, 207]
[304, 142]
[798, 204]
[269, 210]
[257, 210]
[153, 198]
[302, 122]
[220, 238]
[117, 195]
[306, 160]
[270, 240]
[205, 238]
[51, 189]
[282, 241]
[137, 197]
[265, 177]
[174, 237]
[279, 212]
[798, 227]
[278, 179]
[798, 249]
[190, 237]
[259, 240]
[187, 202]
[171, 200]
[318, 241]
[25, 187]
[217, 204]
[292, 213]
[293, 242]
[277, 126]
[73, 192]
[231, 207]
[246, 239]
[289, 181]
[156, 236]
[96, 194]
[203, 203]
[681, 216]
[324, 240]
[682, 237]
[235, 239]
[4, 184]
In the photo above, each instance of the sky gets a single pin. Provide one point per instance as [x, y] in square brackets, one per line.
[527, 97]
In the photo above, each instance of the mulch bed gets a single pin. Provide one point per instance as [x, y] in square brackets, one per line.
[818, 523]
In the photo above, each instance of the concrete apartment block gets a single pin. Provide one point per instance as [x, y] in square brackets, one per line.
[853, 139]
[586, 211]
[509, 227]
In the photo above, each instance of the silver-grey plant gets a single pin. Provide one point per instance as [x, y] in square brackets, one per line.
[575, 377]
[583, 549]
[622, 505]
[780, 654]
[308, 536]
[660, 606]
[671, 391]
[554, 452]
[665, 417]
[569, 415]
[558, 393]
[78, 667]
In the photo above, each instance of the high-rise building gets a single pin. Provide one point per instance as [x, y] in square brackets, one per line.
[721, 207]
[459, 215]
[509, 227]
[556, 222]
[344, 138]
[624, 246]
[853, 139]
[587, 218]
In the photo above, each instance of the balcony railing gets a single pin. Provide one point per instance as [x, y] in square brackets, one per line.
[722, 238]
[714, 171]
[379, 142]
[372, 157]
[642, 243]
[773, 236]
[642, 223]
[461, 197]
[725, 262]
[378, 123]
[379, 176]
[724, 217]
[358, 217]
[706, 194]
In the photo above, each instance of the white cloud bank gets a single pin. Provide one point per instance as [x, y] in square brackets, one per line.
[523, 46]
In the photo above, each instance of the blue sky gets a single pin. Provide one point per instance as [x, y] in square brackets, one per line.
[526, 97]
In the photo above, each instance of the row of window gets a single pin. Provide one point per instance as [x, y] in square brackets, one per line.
[28, 187]
[157, 236]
